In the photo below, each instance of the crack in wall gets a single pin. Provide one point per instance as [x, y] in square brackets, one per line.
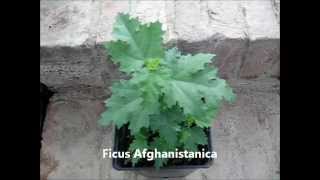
[276, 9]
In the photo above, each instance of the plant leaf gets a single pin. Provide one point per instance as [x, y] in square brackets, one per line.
[161, 145]
[194, 87]
[192, 137]
[130, 104]
[135, 43]
[140, 142]
[124, 102]
[167, 124]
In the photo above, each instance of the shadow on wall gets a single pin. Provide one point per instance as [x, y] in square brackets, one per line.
[45, 95]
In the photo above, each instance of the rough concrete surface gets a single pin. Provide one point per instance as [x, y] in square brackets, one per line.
[244, 34]
[246, 136]
[74, 23]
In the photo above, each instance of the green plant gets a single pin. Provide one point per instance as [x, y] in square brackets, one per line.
[170, 97]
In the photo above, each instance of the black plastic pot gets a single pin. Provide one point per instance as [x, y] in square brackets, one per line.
[121, 143]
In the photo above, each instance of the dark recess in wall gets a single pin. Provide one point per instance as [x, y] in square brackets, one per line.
[45, 95]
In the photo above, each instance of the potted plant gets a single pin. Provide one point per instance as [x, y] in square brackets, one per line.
[168, 104]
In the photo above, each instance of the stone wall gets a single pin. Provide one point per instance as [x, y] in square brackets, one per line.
[243, 34]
